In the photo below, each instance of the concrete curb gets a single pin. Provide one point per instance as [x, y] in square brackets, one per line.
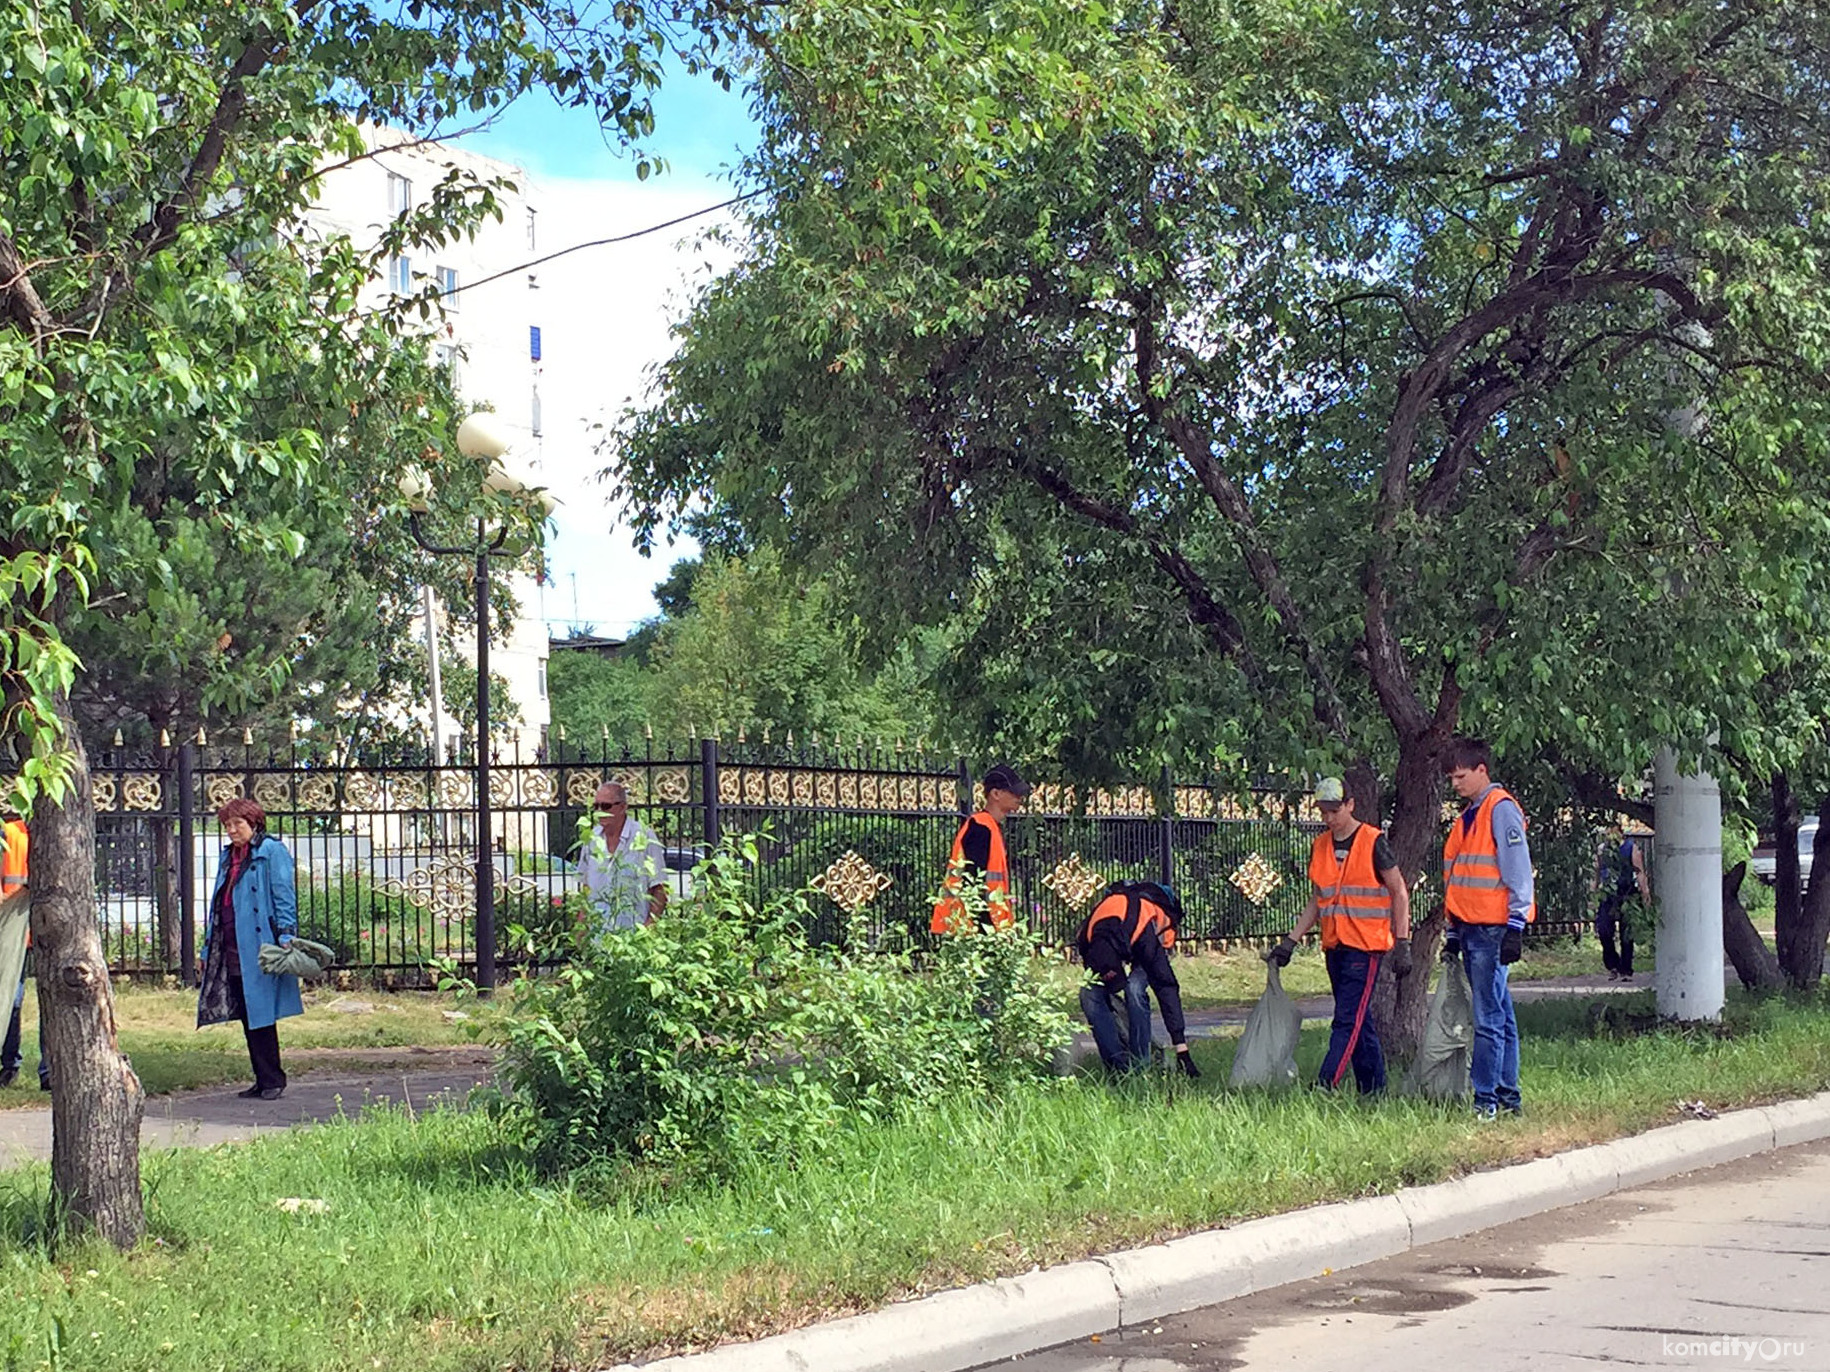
[961, 1329]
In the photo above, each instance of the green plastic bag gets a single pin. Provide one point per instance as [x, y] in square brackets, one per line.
[1440, 1069]
[1267, 1048]
[300, 958]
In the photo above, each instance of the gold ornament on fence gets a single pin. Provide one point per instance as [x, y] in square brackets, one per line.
[448, 887]
[317, 793]
[364, 792]
[539, 788]
[409, 792]
[1256, 879]
[581, 786]
[672, 786]
[102, 794]
[219, 790]
[271, 793]
[851, 882]
[1073, 881]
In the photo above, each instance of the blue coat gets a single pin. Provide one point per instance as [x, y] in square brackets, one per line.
[266, 907]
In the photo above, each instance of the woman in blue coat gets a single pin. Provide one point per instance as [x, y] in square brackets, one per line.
[254, 902]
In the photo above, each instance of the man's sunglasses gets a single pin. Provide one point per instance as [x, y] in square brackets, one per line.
[613, 807]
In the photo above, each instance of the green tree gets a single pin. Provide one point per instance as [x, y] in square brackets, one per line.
[595, 697]
[1291, 385]
[154, 290]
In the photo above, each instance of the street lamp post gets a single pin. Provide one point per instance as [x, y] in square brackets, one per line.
[478, 438]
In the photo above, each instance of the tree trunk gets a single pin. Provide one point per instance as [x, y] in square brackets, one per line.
[1754, 961]
[165, 890]
[1805, 966]
[1400, 1007]
[1788, 901]
[96, 1100]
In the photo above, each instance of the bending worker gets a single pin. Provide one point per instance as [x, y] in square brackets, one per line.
[1135, 923]
[979, 853]
[1365, 909]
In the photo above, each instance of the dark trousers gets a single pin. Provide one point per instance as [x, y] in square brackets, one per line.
[1609, 922]
[263, 1043]
[1352, 972]
[12, 1051]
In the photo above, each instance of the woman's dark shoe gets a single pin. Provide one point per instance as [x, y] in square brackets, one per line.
[273, 1093]
[252, 1093]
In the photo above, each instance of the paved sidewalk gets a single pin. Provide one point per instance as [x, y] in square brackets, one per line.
[199, 1119]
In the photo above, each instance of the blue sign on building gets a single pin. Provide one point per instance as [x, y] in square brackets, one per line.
[533, 341]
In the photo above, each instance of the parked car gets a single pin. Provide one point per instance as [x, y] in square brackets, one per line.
[1762, 861]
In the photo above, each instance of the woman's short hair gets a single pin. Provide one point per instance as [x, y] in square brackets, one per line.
[243, 808]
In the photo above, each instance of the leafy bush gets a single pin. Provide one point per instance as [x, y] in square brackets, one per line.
[723, 1031]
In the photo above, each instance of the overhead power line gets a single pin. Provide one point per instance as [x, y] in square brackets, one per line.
[603, 242]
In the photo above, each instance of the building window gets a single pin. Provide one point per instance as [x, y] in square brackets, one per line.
[534, 414]
[400, 275]
[400, 194]
[531, 246]
[447, 287]
[543, 685]
[445, 357]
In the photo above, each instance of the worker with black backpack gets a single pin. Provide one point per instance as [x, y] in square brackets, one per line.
[1133, 926]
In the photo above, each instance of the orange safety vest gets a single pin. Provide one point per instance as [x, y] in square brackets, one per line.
[1356, 907]
[1471, 887]
[950, 910]
[13, 863]
[1139, 917]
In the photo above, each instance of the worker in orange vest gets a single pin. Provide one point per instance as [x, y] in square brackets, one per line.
[1365, 911]
[1133, 923]
[978, 850]
[1488, 891]
[15, 853]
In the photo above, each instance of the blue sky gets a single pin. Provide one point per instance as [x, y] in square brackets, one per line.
[700, 129]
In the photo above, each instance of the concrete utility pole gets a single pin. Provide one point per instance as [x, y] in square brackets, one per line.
[1687, 881]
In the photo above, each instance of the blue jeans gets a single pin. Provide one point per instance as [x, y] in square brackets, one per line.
[1096, 1005]
[1353, 1040]
[1494, 1064]
[10, 1054]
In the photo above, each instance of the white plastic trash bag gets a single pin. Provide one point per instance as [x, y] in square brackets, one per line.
[1440, 1069]
[1267, 1048]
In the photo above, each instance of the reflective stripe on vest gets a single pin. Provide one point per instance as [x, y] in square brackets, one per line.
[1138, 917]
[950, 913]
[1356, 908]
[1473, 891]
[13, 862]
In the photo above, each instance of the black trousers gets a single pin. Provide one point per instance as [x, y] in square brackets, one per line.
[1608, 922]
[263, 1043]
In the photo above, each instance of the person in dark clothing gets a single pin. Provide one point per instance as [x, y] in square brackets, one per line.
[1621, 875]
[1134, 924]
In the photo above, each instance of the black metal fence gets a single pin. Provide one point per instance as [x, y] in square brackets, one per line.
[385, 844]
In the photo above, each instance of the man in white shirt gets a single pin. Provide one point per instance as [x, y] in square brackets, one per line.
[623, 867]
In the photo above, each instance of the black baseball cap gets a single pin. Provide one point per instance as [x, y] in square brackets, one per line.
[1003, 777]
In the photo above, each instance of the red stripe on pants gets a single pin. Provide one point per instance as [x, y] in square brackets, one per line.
[1359, 1019]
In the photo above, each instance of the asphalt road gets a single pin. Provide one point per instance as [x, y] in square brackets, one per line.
[1722, 1268]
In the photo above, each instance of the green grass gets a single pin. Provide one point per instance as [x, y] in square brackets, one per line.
[158, 1032]
[439, 1249]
